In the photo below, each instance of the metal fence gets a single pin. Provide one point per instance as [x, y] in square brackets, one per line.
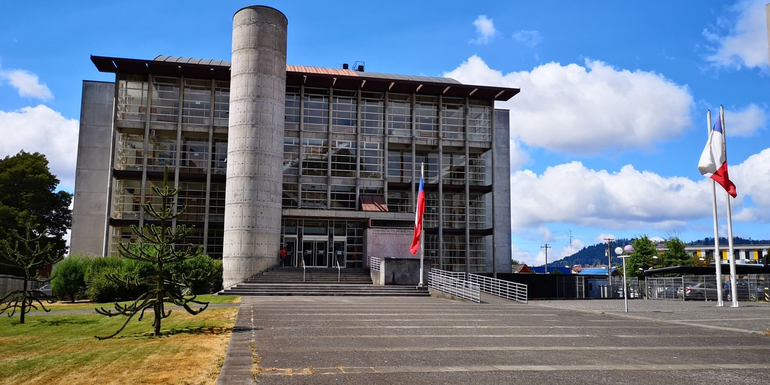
[497, 287]
[751, 287]
[9, 283]
[449, 283]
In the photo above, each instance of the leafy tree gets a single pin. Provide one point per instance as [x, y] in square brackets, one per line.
[28, 195]
[644, 250]
[29, 256]
[69, 277]
[676, 255]
[156, 245]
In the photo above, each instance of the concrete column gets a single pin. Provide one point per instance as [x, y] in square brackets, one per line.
[255, 143]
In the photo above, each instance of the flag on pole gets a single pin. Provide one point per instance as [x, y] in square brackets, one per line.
[418, 218]
[713, 160]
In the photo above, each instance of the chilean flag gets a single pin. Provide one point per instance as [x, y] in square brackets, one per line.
[418, 219]
[713, 160]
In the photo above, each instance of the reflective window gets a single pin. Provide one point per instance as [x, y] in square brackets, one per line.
[372, 113]
[400, 115]
[196, 102]
[316, 114]
[292, 103]
[453, 118]
[290, 156]
[314, 157]
[165, 100]
[426, 116]
[132, 97]
[344, 111]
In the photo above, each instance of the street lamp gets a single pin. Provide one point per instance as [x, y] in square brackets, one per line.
[623, 253]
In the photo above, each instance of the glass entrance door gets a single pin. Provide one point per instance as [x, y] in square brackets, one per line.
[314, 253]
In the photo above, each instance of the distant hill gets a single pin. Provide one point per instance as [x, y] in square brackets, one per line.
[591, 255]
[597, 254]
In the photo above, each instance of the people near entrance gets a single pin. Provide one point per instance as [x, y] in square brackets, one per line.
[283, 256]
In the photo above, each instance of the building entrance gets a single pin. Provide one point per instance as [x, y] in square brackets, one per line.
[291, 251]
[314, 252]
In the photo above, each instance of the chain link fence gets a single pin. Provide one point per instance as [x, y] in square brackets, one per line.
[750, 287]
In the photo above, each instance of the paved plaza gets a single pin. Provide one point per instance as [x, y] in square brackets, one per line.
[347, 340]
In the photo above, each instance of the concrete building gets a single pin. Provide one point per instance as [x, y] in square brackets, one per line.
[324, 161]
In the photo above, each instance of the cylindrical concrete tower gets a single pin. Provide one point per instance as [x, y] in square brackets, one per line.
[255, 143]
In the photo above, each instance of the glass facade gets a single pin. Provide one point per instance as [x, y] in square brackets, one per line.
[339, 145]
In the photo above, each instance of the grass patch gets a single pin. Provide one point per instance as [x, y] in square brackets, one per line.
[87, 305]
[61, 349]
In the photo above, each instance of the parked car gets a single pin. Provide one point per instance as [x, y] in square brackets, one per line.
[670, 292]
[632, 293]
[45, 289]
[745, 291]
[700, 291]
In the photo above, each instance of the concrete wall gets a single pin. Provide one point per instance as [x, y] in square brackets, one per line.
[93, 169]
[384, 243]
[400, 271]
[252, 225]
[502, 192]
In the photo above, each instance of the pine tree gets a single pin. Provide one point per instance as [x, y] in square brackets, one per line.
[157, 245]
[29, 256]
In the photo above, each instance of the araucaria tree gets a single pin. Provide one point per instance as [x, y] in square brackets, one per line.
[159, 245]
[27, 255]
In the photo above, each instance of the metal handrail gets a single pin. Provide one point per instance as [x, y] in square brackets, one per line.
[509, 290]
[375, 263]
[303, 270]
[448, 282]
[337, 261]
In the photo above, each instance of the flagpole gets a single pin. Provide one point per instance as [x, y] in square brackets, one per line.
[717, 254]
[731, 252]
[422, 232]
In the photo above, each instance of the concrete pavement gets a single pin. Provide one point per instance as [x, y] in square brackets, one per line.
[295, 340]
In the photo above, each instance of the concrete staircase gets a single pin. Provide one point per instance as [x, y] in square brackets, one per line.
[287, 281]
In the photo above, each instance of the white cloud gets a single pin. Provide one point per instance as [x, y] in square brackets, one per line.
[528, 38]
[27, 83]
[626, 199]
[752, 178]
[632, 199]
[485, 30]
[520, 255]
[41, 129]
[518, 156]
[745, 122]
[545, 234]
[574, 109]
[602, 238]
[745, 42]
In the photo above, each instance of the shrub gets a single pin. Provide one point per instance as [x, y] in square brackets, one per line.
[198, 274]
[69, 277]
[102, 289]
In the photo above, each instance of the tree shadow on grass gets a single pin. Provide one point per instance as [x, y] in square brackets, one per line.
[199, 330]
[64, 321]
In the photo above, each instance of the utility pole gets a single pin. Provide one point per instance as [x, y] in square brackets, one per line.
[609, 265]
[546, 247]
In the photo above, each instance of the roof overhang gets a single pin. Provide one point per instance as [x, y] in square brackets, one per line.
[308, 76]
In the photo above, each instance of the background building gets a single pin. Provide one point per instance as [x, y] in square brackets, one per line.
[350, 145]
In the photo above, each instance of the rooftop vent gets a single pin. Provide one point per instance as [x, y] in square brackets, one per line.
[359, 66]
[345, 66]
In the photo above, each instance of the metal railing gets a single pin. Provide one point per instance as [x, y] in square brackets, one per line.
[374, 263]
[447, 282]
[750, 287]
[509, 290]
[337, 261]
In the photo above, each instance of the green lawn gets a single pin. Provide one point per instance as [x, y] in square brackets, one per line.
[61, 349]
[84, 305]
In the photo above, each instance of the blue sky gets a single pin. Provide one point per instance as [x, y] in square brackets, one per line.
[606, 133]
